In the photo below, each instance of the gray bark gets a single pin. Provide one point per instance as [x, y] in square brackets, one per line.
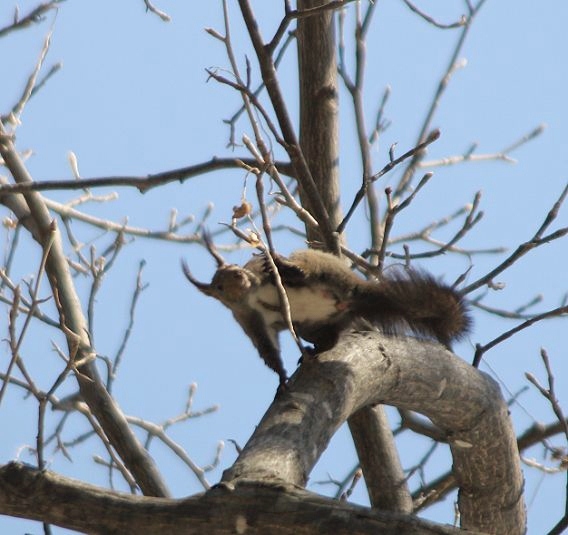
[376, 449]
[254, 509]
[368, 368]
[319, 125]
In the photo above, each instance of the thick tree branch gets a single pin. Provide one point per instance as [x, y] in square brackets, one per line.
[318, 93]
[253, 509]
[385, 480]
[440, 487]
[368, 368]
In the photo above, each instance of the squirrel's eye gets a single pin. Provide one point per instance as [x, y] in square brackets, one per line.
[219, 287]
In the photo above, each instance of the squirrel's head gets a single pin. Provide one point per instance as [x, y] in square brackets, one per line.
[230, 282]
[229, 285]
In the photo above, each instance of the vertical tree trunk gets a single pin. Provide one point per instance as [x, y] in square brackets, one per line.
[319, 131]
[319, 139]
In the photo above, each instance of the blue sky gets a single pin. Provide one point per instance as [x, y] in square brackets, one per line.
[132, 97]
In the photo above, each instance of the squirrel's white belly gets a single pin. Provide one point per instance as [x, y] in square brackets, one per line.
[307, 304]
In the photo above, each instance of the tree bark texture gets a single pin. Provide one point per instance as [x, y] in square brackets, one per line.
[368, 368]
[319, 125]
[378, 456]
[253, 509]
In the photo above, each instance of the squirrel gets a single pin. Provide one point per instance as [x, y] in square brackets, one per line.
[326, 297]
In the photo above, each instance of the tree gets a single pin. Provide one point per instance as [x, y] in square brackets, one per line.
[365, 369]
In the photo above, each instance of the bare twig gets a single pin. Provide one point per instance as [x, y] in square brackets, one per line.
[158, 432]
[524, 139]
[289, 200]
[150, 7]
[537, 240]
[433, 136]
[355, 89]
[429, 19]
[424, 234]
[356, 478]
[480, 350]
[291, 144]
[142, 183]
[98, 267]
[518, 313]
[348, 482]
[291, 14]
[18, 108]
[42, 406]
[24, 305]
[140, 287]
[65, 211]
[33, 17]
[233, 119]
[550, 394]
[15, 345]
[420, 465]
[469, 155]
[392, 212]
[381, 124]
[453, 65]
[11, 246]
[533, 463]
[243, 89]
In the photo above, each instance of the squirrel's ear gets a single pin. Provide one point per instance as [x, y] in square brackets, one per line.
[201, 286]
[212, 250]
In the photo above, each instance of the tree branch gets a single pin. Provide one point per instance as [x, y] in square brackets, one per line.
[536, 241]
[439, 488]
[318, 94]
[33, 17]
[368, 368]
[74, 326]
[142, 183]
[379, 460]
[291, 144]
[453, 65]
[255, 509]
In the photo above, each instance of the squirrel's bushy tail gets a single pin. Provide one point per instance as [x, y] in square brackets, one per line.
[416, 301]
